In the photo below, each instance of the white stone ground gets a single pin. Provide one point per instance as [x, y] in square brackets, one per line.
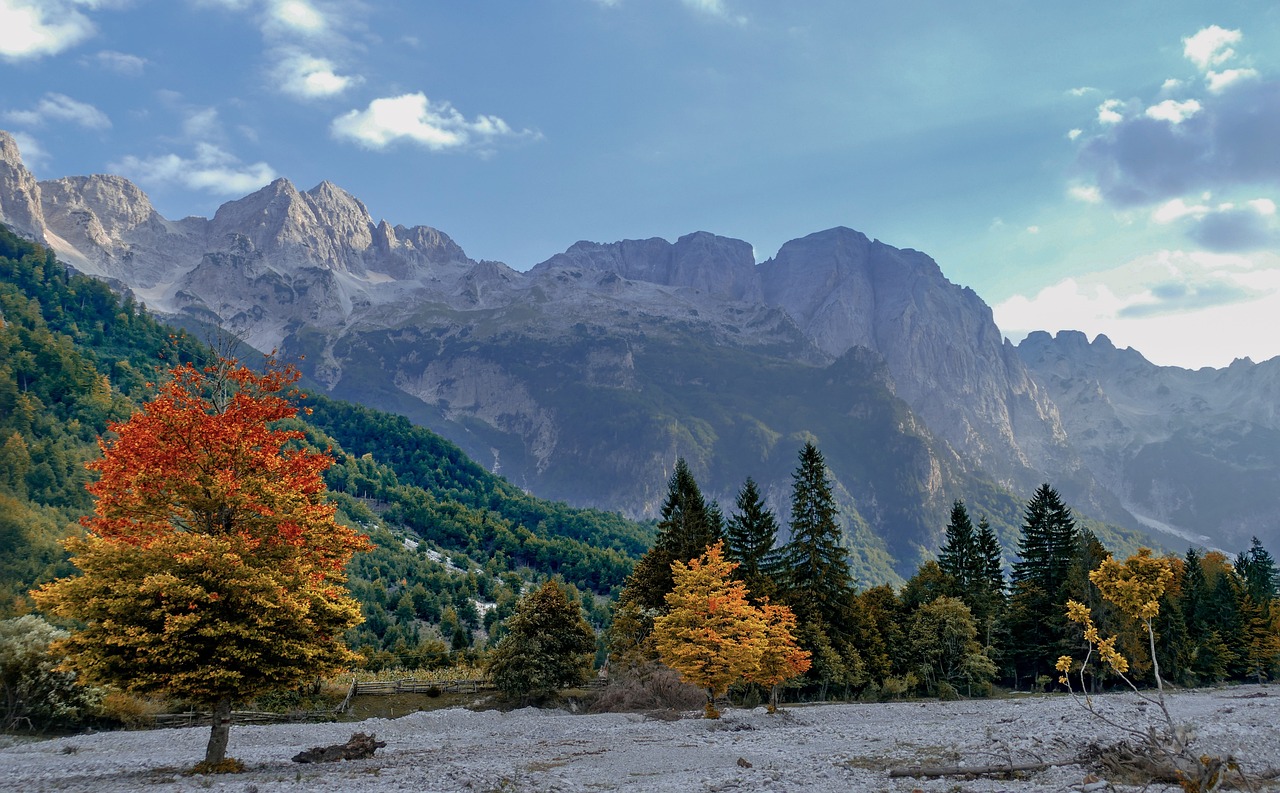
[814, 748]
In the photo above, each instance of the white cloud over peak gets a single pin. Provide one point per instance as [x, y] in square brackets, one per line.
[211, 170]
[308, 77]
[36, 28]
[33, 154]
[1172, 111]
[1181, 308]
[60, 107]
[413, 118]
[1211, 46]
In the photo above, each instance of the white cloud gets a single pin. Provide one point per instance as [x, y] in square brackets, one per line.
[33, 154]
[1178, 308]
[297, 16]
[1173, 112]
[1083, 90]
[202, 124]
[415, 119]
[36, 28]
[60, 107]
[1177, 209]
[1263, 206]
[1033, 229]
[1074, 133]
[211, 170]
[1107, 112]
[307, 77]
[715, 8]
[1089, 194]
[1218, 81]
[118, 62]
[1171, 84]
[1210, 46]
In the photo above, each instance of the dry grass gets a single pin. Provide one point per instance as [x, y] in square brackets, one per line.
[657, 689]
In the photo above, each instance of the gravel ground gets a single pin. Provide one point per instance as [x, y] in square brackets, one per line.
[846, 747]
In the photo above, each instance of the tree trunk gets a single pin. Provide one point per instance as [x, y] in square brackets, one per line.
[219, 733]
[773, 699]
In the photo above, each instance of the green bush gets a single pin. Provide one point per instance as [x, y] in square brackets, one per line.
[36, 693]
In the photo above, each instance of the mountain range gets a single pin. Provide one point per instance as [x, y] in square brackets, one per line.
[585, 377]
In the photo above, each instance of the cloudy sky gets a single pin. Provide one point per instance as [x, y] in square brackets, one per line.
[1108, 167]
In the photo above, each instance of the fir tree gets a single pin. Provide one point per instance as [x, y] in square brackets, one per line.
[687, 528]
[1038, 629]
[1257, 570]
[818, 584]
[750, 535]
[1047, 543]
[958, 556]
[817, 564]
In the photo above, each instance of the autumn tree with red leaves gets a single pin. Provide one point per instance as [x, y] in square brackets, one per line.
[212, 568]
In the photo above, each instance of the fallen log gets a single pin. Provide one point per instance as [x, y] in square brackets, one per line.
[359, 747]
[976, 770]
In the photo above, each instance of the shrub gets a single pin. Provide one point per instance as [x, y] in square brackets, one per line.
[36, 692]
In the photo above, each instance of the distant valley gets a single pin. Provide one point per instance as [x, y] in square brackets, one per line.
[584, 378]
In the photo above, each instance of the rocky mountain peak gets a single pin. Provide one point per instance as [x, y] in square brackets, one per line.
[19, 193]
[719, 267]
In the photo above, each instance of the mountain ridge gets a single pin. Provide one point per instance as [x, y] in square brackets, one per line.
[529, 371]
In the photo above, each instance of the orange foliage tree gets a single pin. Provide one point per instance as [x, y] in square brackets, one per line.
[212, 568]
[782, 658]
[713, 636]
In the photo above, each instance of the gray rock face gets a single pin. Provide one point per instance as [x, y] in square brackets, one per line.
[1195, 454]
[946, 355]
[19, 193]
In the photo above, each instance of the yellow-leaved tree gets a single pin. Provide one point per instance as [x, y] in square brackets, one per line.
[713, 636]
[1136, 586]
[782, 658]
[212, 568]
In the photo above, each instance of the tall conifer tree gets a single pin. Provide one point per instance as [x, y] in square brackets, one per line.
[1047, 547]
[817, 563]
[959, 557]
[687, 528]
[750, 534]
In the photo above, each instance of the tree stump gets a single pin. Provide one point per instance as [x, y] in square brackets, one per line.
[358, 747]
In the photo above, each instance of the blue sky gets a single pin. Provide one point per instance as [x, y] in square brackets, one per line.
[1108, 167]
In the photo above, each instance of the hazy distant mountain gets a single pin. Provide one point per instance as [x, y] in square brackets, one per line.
[1196, 453]
[584, 378]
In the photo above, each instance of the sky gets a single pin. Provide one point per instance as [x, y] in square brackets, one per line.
[1098, 166]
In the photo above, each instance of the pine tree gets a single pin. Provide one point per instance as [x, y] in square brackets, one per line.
[818, 581]
[1037, 623]
[1257, 570]
[987, 608]
[959, 557]
[1047, 543]
[750, 534]
[687, 528]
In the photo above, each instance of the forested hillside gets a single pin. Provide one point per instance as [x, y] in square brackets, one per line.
[453, 542]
